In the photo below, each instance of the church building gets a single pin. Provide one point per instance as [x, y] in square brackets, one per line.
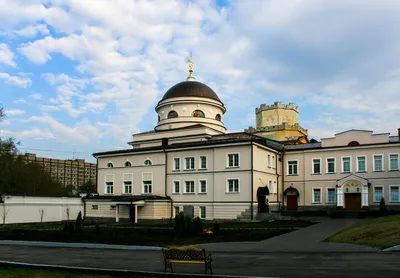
[190, 163]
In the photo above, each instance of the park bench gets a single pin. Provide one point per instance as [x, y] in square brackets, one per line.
[186, 255]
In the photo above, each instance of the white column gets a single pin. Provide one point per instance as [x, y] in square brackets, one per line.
[339, 196]
[135, 213]
[116, 214]
[364, 196]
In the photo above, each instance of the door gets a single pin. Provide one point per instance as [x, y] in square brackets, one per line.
[291, 201]
[352, 201]
[132, 213]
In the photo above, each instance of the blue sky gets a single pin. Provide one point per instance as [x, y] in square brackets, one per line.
[77, 77]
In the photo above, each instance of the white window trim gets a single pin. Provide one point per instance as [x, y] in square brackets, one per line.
[373, 162]
[105, 183]
[312, 192]
[343, 164]
[205, 212]
[390, 193]
[227, 186]
[200, 168]
[327, 195]
[366, 163]
[227, 160]
[273, 162]
[126, 162]
[152, 178]
[194, 162]
[390, 164]
[383, 193]
[199, 186]
[111, 164]
[173, 165]
[173, 187]
[334, 165]
[148, 160]
[320, 165]
[184, 187]
[124, 180]
[287, 165]
[269, 161]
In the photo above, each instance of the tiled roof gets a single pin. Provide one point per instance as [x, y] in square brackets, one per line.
[303, 146]
[394, 139]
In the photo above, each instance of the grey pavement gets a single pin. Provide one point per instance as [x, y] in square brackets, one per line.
[393, 249]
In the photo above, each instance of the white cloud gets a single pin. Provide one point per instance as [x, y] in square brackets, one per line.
[14, 112]
[20, 81]
[36, 96]
[33, 31]
[35, 133]
[7, 56]
[20, 100]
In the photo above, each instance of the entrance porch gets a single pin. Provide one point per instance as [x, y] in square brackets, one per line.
[352, 192]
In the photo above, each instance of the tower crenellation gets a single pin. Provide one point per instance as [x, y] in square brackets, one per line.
[277, 105]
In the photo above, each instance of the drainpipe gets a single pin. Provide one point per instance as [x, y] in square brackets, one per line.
[277, 180]
[166, 184]
[251, 179]
[283, 178]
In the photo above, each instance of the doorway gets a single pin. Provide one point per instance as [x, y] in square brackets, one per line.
[291, 201]
[352, 201]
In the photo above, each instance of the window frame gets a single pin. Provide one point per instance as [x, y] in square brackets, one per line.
[200, 162]
[147, 159]
[390, 162]
[320, 166]
[124, 185]
[273, 162]
[327, 195]
[194, 187]
[199, 186]
[95, 207]
[358, 166]
[174, 164]
[373, 163]
[110, 165]
[227, 186]
[126, 163]
[174, 187]
[398, 193]
[374, 193]
[238, 160]
[107, 186]
[313, 196]
[194, 163]
[200, 212]
[350, 162]
[269, 161]
[297, 167]
[334, 165]
[175, 210]
[151, 184]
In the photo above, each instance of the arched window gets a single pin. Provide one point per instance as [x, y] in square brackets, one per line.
[218, 117]
[172, 114]
[110, 165]
[198, 113]
[148, 162]
[128, 164]
[353, 143]
[159, 118]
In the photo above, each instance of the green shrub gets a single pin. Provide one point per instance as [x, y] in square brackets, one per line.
[69, 228]
[197, 226]
[78, 223]
[382, 206]
[216, 229]
[179, 224]
[96, 228]
[188, 225]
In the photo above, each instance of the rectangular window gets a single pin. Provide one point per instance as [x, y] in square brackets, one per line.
[361, 163]
[233, 186]
[177, 163]
[147, 187]
[176, 188]
[346, 164]
[273, 162]
[233, 160]
[95, 207]
[316, 196]
[270, 187]
[203, 186]
[331, 165]
[394, 162]
[109, 187]
[269, 161]
[127, 187]
[189, 186]
[189, 163]
[378, 193]
[292, 167]
[176, 210]
[113, 207]
[203, 212]
[394, 194]
[203, 162]
[378, 162]
[331, 195]
[316, 166]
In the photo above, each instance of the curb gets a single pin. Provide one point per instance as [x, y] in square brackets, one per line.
[79, 245]
[395, 248]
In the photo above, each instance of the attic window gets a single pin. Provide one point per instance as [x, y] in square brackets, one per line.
[198, 113]
[128, 164]
[148, 162]
[218, 117]
[353, 143]
[172, 114]
[110, 165]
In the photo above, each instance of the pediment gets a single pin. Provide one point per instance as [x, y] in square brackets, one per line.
[352, 181]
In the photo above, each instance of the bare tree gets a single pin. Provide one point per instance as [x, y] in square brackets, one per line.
[4, 213]
[41, 213]
[67, 212]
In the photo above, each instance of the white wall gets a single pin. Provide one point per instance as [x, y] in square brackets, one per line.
[26, 209]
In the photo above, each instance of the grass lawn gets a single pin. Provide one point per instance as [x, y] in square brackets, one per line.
[14, 272]
[382, 232]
